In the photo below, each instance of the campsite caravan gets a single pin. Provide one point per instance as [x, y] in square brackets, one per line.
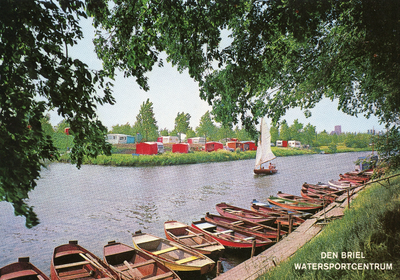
[120, 139]
[168, 139]
[294, 144]
[197, 140]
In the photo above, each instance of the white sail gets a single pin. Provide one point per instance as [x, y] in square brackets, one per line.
[264, 152]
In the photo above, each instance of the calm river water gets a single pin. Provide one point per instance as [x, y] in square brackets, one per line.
[97, 204]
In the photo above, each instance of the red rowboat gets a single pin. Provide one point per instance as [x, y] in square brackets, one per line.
[22, 269]
[300, 198]
[272, 210]
[232, 238]
[243, 225]
[71, 261]
[282, 218]
[311, 195]
[193, 238]
[131, 263]
[227, 210]
[322, 189]
[292, 204]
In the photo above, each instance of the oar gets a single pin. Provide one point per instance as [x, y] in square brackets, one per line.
[121, 272]
[198, 235]
[96, 264]
[131, 271]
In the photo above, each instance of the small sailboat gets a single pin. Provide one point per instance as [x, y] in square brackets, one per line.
[264, 153]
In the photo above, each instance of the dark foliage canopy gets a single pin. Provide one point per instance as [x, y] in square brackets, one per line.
[37, 75]
[281, 54]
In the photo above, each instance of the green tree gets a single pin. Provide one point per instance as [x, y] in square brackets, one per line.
[323, 138]
[182, 122]
[190, 133]
[224, 132]
[63, 141]
[284, 133]
[164, 132]
[146, 123]
[274, 130]
[296, 130]
[123, 129]
[309, 134]
[281, 54]
[206, 127]
[38, 75]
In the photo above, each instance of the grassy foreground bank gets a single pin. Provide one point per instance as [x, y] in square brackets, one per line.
[371, 227]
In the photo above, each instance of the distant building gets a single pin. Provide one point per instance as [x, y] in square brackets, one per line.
[338, 130]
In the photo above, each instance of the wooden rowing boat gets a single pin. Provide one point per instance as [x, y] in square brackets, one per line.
[193, 238]
[231, 238]
[227, 210]
[322, 189]
[130, 263]
[282, 218]
[312, 195]
[22, 270]
[243, 225]
[292, 204]
[354, 179]
[71, 261]
[300, 198]
[271, 209]
[172, 254]
[341, 184]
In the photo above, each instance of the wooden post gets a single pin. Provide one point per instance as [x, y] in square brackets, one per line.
[348, 197]
[253, 248]
[290, 223]
[323, 197]
[278, 237]
[218, 267]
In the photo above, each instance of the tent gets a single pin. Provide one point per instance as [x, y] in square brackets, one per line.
[180, 148]
[146, 148]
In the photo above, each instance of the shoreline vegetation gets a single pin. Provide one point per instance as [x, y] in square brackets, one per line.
[125, 156]
[363, 244]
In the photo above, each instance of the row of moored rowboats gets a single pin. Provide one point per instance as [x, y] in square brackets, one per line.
[190, 247]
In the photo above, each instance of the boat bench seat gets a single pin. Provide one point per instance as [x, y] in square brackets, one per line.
[161, 276]
[249, 238]
[186, 236]
[224, 232]
[191, 258]
[71, 264]
[166, 250]
[74, 274]
[136, 265]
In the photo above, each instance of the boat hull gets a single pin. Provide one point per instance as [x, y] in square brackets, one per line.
[252, 228]
[71, 261]
[231, 238]
[131, 263]
[22, 269]
[176, 257]
[193, 238]
[230, 211]
[265, 171]
[294, 205]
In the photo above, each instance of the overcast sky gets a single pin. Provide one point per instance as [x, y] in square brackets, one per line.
[172, 92]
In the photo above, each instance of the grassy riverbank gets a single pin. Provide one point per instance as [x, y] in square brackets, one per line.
[169, 158]
[371, 226]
